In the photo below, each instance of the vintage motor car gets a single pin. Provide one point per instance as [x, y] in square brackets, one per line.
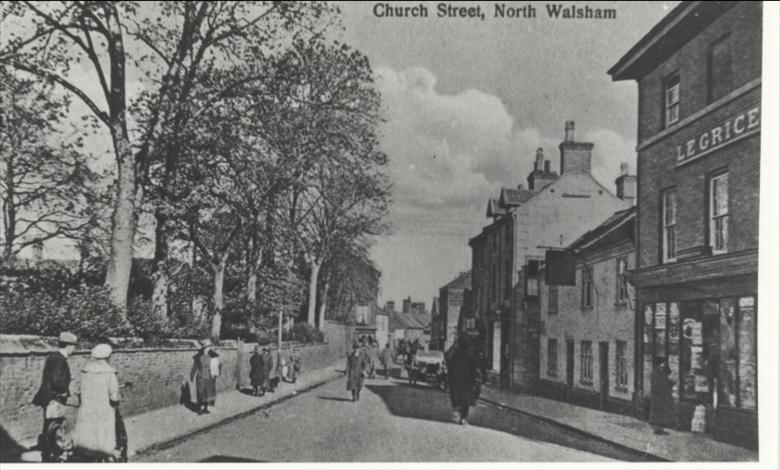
[429, 366]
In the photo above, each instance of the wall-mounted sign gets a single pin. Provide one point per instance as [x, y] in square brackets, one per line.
[736, 127]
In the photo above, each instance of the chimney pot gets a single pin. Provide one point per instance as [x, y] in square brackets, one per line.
[569, 131]
[623, 169]
[547, 166]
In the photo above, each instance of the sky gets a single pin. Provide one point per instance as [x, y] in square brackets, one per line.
[468, 102]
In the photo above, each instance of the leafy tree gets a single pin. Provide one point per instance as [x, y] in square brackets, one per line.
[44, 186]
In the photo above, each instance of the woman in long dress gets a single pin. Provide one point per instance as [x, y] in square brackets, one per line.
[200, 375]
[95, 432]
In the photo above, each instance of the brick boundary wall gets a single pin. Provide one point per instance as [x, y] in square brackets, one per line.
[150, 377]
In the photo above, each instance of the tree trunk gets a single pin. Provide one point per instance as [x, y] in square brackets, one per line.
[122, 221]
[160, 276]
[315, 271]
[218, 299]
[323, 303]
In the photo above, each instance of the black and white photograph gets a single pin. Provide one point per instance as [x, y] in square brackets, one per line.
[406, 234]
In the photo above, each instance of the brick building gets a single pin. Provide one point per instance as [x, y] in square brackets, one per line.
[586, 346]
[699, 78]
[553, 212]
[451, 301]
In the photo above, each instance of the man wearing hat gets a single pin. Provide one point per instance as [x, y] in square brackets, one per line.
[54, 391]
[357, 362]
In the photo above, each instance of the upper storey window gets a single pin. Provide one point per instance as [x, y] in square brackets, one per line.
[672, 99]
[719, 76]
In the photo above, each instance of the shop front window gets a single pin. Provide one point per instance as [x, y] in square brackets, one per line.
[709, 345]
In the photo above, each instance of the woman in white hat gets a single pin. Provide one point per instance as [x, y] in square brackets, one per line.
[95, 432]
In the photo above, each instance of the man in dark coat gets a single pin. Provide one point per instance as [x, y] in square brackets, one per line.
[662, 409]
[54, 392]
[357, 362]
[257, 372]
[463, 369]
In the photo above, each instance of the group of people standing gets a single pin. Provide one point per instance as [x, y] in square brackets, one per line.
[265, 376]
[99, 433]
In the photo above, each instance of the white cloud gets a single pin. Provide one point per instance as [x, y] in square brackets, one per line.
[448, 154]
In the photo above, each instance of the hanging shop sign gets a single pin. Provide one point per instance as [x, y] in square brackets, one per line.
[734, 128]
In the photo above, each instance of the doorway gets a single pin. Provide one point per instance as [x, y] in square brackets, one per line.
[570, 363]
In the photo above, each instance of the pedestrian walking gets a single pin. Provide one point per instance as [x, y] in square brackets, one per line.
[662, 409]
[200, 376]
[373, 358]
[411, 372]
[95, 434]
[215, 369]
[268, 367]
[463, 370]
[257, 372]
[386, 358]
[357, 362]
[52, 396]
[295, 365]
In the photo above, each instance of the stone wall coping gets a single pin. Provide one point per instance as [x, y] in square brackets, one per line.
[19, 345]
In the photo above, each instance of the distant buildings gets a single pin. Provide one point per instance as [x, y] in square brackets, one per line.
[509, 253]
[699, 78]
[414, 323]
[449, 303]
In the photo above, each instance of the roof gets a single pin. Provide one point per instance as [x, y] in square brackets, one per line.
[514, 197]
[493, 209]
[403, 321]
[674, 30]
[462, 281]
[617, 220]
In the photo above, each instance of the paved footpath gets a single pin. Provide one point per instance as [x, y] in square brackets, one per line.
[158, 427]
[623, 430]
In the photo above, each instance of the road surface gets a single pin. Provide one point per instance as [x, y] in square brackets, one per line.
[392, 422]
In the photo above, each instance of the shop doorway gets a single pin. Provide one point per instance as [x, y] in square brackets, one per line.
[603, 374]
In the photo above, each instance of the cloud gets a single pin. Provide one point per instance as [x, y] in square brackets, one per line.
[448, 154]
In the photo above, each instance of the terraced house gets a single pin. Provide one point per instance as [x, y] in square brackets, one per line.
[508, 254]
[699, 78]
[586, 345]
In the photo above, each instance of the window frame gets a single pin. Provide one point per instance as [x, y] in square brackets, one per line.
[552, 306]
[621, 292]
[586, 362]
[621, 365]
[712, 74]
[671, 84]
[552, 357]
[668, 227]
[586, 286]
[713, 219]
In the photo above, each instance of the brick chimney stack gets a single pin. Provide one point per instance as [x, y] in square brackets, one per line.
[541, 176]
[626, 185]
[575, 156]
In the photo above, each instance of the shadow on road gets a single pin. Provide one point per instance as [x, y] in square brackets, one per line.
[423, 401]
[334, 398]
